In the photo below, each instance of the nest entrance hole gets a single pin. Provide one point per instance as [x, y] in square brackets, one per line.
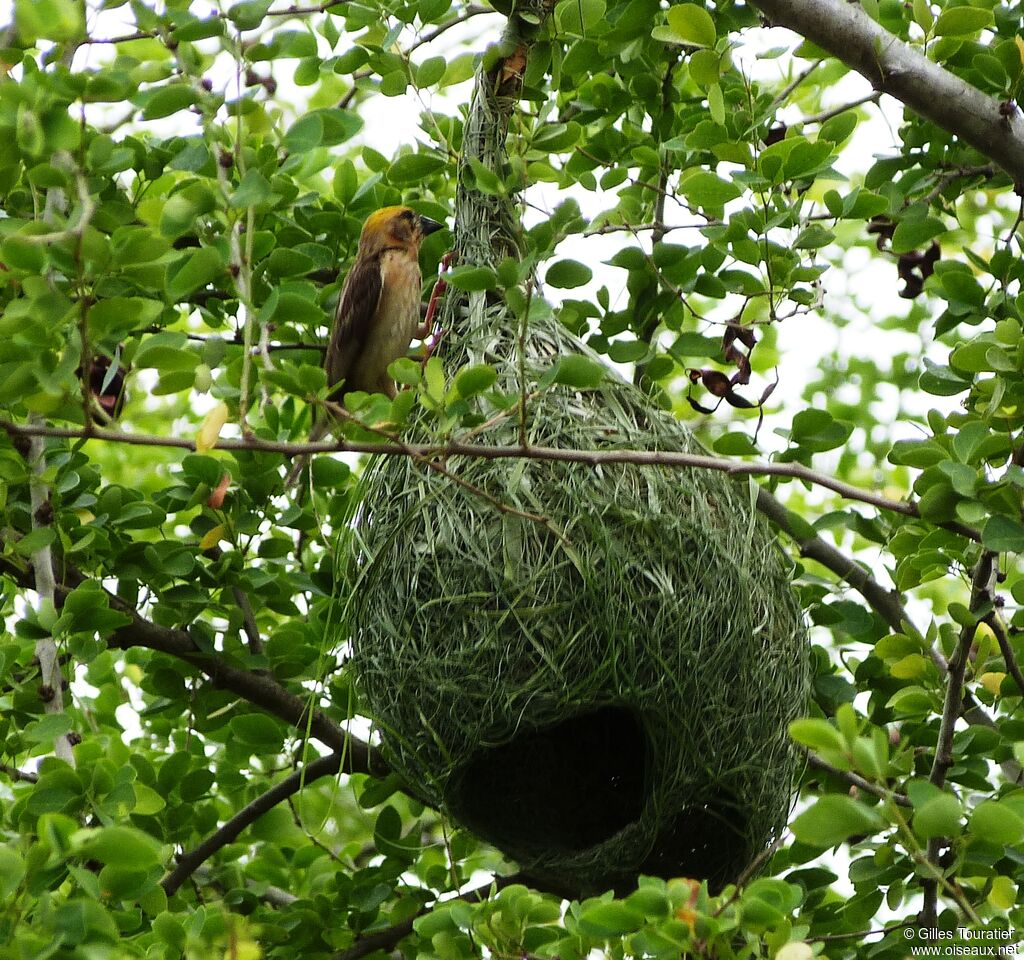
[568, 787]
[561, 789]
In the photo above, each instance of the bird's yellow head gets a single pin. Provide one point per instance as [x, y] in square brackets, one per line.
[396, 227]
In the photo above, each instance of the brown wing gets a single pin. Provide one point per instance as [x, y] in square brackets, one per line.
[357, 306]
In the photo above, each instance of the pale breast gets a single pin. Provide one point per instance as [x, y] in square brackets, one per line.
[398, 311]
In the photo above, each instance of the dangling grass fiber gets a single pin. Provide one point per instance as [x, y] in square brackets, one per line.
[600, 688]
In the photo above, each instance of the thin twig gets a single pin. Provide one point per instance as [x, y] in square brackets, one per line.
[855, 780]
[659, 228]
[981, 594]
[472, 10]
[21, 776]
[836, 111]
[252, 630]
[783, 95]
[650, 458]
[1012, 667]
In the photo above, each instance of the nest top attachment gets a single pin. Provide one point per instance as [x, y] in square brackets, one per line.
[600, 693]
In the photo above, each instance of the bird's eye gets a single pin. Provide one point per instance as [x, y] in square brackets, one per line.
[408, 215]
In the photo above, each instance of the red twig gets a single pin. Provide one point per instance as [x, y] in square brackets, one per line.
[434, 338]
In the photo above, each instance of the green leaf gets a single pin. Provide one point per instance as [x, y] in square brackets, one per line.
[122, 846]
[17, 253]
[48, 729]
[816, 430]
[817, 734]
[958, 21]
[305, 134]
[995, 822]
[430, 71]
[117, 316]
[839, 128]
[12, 872]
[58, 20]
[567, 274]
[471, 278]
[249, 14]
[257, 730]
[475, 379]
[916, 233]
[192, 271]
[577, 17]
[1003, 534]
[460, 69]
[938, 816]
[833, 819]
[941, 381]
[253, 189]
[691, 24]
[628, 351]
[706, 189]
[168, 100]
[813, 237]
[487, 181]
[577, 371]
[611, 919]
[414, 168]
[147, 800]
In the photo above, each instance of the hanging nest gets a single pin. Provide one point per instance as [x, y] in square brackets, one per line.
[598, 678]
[601, 693]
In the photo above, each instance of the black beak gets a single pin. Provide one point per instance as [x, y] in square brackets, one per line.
[428, 226]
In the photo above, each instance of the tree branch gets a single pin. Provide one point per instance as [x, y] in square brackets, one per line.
[259, 689]
[885, 602]
[228, 833]
[51, 677]
[1012, 667]
[981, 594]
[19, 776]
[654, 458]
[855, 780]
[893, 67]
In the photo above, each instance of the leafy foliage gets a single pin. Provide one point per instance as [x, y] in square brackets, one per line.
[182, 191]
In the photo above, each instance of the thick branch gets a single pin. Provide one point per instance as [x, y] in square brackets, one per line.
[249, 814]
[844, 30]
[258, 689]
[886, 603]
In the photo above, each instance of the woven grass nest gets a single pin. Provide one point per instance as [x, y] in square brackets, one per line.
[600, 696]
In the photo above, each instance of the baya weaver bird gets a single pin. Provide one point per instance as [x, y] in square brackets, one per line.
[379, 308]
